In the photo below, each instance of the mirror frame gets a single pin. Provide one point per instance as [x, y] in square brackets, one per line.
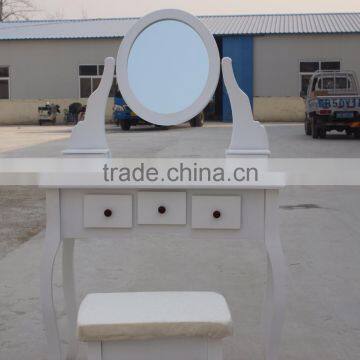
[122, 64]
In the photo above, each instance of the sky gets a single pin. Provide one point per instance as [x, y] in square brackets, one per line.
[70, 9]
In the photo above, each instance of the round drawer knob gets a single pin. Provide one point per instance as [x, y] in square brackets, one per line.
[216, 214]
[161, 209]
[107, 212]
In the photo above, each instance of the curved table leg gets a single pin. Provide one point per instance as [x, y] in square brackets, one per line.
[70, 296]
[51, 246]
[275, 300]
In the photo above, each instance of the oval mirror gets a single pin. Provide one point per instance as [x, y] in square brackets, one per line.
[168, 67]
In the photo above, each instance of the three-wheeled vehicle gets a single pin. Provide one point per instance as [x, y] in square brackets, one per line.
[48, 113]
[123, 116]
[332, 103]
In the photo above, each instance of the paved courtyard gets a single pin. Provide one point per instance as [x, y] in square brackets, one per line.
[319, 230]
[286, 140]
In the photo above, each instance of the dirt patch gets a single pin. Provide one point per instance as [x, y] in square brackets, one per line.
[22, 215]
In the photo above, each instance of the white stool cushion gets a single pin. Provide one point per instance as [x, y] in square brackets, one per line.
[147, 315]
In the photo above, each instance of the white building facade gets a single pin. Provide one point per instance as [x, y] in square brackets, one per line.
[274, 57]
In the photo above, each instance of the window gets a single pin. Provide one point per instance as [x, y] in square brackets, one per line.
[305, 80]
[307, 68]
[4, 82]
[335, 83]
[88, 70]
[90, 77]
[330, 65]
[328, 83]
[343, 83]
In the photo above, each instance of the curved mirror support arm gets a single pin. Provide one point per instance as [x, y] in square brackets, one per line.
[88, 137]
[248, 136]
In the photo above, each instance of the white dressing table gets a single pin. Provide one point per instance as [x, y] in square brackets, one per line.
[247, 214]
[81, 207]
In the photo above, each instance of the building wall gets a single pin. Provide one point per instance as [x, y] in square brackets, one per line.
[276, 59]
[25, 112]
[279, 109]
[45, 69]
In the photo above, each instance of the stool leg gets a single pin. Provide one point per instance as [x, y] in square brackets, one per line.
[94, 350]
[214, 350]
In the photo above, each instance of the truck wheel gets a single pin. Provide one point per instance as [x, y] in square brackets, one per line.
[125, 125]
[322, 133]
[357, 133]
[198, 121]
[314, 129]
[307, 126]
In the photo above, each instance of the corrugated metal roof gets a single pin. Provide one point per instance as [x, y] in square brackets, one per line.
[218, 25]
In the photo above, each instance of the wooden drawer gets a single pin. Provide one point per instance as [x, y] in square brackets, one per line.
[107, 211]
[168, 208]
[216, 212]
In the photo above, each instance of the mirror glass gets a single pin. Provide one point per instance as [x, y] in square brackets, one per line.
[168, 67]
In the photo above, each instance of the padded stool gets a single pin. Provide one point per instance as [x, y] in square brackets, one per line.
[154, 325]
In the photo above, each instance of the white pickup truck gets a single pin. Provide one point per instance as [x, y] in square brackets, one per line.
[332, 103]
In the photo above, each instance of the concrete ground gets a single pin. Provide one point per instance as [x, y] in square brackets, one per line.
[22, 215]
[286, 140]
[319, 230]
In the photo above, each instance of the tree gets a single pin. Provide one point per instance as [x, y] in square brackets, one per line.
[15, 9]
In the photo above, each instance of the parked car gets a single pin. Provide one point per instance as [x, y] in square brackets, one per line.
[123, 116]
[332, 103]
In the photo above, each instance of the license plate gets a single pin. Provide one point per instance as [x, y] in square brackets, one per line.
[344, 115]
